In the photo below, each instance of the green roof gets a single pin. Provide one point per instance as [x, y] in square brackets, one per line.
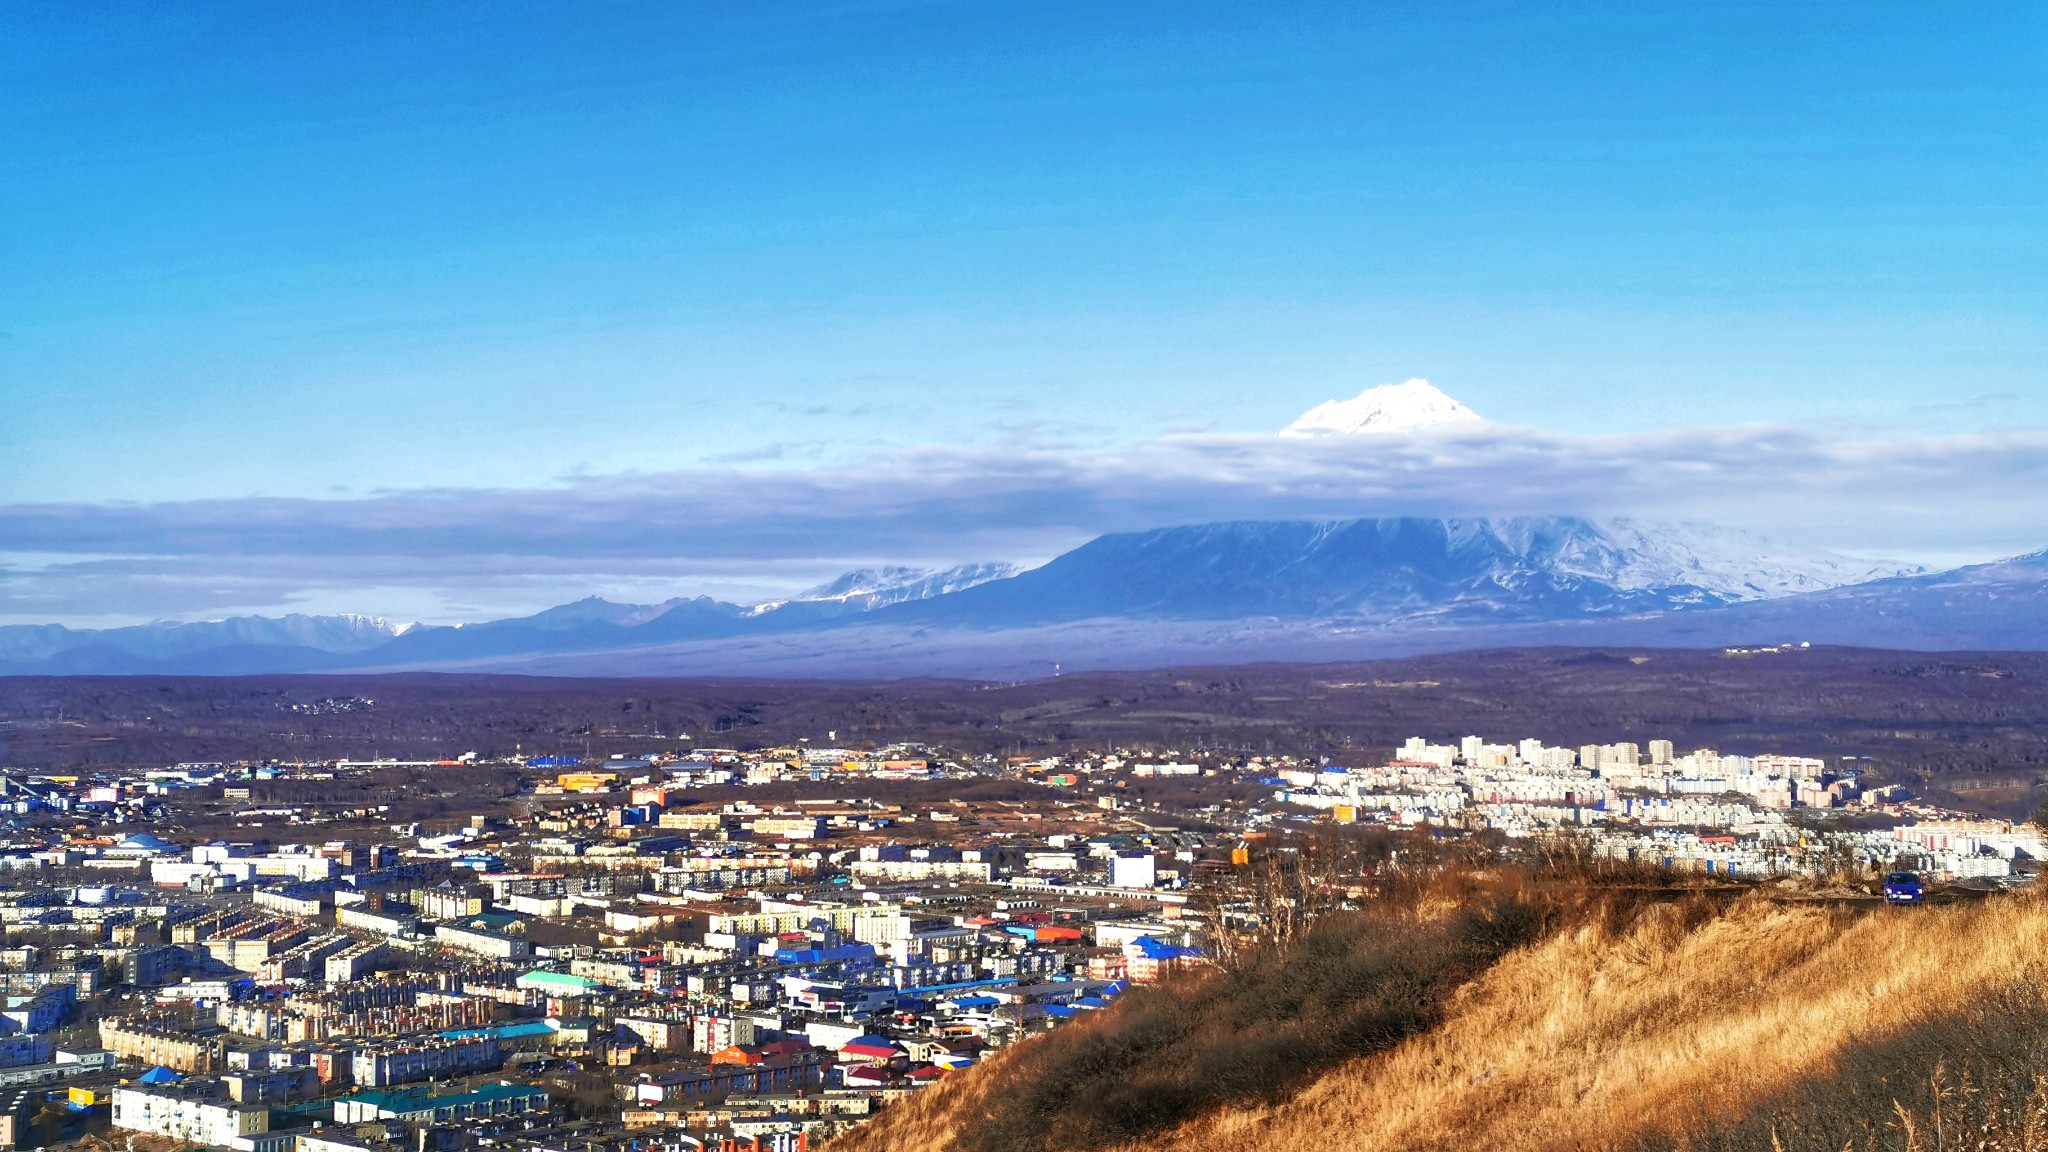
[560, 979]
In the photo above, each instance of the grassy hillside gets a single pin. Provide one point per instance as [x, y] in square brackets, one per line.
[1540, 1015]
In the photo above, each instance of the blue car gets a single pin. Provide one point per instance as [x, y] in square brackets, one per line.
[1903, 888]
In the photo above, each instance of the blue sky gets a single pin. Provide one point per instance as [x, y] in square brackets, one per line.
[337, 252]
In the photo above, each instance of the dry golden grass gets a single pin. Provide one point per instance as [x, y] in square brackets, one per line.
[930, 1121]
[1605, 1037]
[1603, 1041]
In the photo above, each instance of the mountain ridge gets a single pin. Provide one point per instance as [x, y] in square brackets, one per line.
[1233, 590]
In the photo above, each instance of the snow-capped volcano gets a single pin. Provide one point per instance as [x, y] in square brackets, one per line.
[1389, 408]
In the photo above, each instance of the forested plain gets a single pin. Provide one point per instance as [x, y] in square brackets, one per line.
[1967, 726]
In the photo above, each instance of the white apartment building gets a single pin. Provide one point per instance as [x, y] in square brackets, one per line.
[1135, 871]
[922, 870]
[187, 1112]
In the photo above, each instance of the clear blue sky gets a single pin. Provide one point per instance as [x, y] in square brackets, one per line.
[339, 248]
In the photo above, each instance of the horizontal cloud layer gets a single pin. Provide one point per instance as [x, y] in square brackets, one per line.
[482, 550]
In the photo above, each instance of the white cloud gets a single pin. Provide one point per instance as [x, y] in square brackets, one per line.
[733, 528]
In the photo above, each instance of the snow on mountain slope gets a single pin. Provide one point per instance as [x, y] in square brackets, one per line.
[1393, 571]
[1389, 408]
[875, 587]
[1736, 564]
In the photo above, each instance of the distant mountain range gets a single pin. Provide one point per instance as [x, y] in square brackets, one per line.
[1228, 591]
[195, 646]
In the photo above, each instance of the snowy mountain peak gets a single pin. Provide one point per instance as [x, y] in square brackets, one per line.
[376, 625]
[875, 587]
[864, 582]
[1389, 408]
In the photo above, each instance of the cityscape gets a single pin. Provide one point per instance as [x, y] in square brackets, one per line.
[937, 576]
[595, 954]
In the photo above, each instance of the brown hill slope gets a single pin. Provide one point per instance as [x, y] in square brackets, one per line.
[1809, 1024]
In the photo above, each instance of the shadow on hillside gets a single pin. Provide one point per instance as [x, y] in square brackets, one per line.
[1968, 1080]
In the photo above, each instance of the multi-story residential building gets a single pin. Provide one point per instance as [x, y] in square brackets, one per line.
[451, 901]
[293, 900]
[783, 1066]
[41, 1010]
[272, 1085]
[16, 1051]
[196, 1112]
[303, 960]
[417, 1106]
[788, 827]
[914, 871]
[405, 1062]
[168, 1043]
[658, 1035]
[247, 945]
[715, 1031]
[354, 962]
[482, 941]
[1147, 960]
[388, 920]
[151, 965]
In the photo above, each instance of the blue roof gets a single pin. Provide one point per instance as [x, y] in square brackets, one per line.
[146, 840]
[975, 1002]
[825, 955]
[1152, 949]
[160, 1075]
